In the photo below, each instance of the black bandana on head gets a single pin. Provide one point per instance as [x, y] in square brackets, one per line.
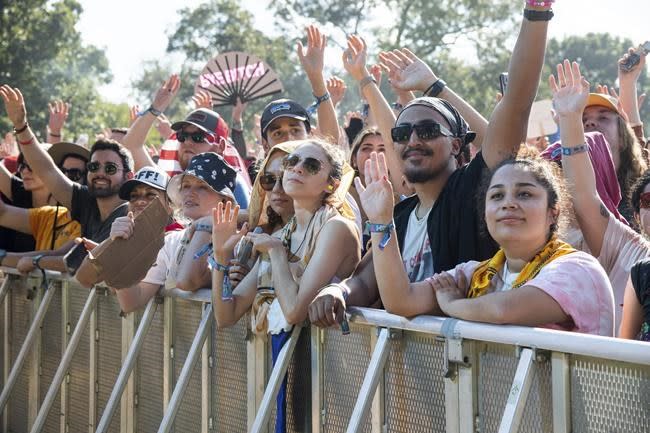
[458, 125]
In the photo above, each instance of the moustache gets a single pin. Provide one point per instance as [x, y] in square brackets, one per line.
[423, 152]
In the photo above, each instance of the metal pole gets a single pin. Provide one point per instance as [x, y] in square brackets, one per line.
[4, 288]
[127, 366]
[27, 344]
[61, 371]
[273, 387]
[186, 372]
[370, 382]
[516, 403]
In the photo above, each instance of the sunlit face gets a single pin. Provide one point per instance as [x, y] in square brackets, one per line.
[285, 129]
[189, 148]
[298, 182]
[31, 182]
[197, 198]
[279, 201]
[371, 143]
[516, 208]
[101, 184]
[142, 195]
[425, 160]
[605, 121]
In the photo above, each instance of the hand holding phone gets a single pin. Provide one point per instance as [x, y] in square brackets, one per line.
[634, 58]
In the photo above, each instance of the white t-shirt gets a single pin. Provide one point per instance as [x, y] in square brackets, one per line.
[622, 248]
[159, 271]
[417, 256]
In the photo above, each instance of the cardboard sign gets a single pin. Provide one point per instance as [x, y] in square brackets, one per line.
[234, 75]
[540, 121]
[124, 262]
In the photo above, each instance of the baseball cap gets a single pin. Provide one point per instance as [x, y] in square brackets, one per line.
[283, 108]
[149, 176]
[603, 100]
[206, 120]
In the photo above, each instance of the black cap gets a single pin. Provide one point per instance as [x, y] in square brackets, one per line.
[283, 108]
[206, 120]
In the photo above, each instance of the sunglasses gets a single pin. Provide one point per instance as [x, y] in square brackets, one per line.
[268, 181]
[110, 168]
[74, 174]
[197, 137]
[424, 131]
[23, 165]
[644, 201]
[311, 165]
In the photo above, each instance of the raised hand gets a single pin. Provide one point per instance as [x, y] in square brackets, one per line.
[355, 57]
[376, 196]
[570, 89]
[14, 104]
[406, 71]
[336, 88]
[202, 99]
[238, 110]
[312, 60]
[635, 72]
[166, 93]
[58, 115]
[377, 71]
[224, 231]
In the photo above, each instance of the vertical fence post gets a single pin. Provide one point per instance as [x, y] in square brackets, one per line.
[93, 333]
[468, 388]
[206, 382]
[127, 403]
[168, 350]
[34, 373]
[6, 345]
[66, 330]
[317, 342]
[561, 385]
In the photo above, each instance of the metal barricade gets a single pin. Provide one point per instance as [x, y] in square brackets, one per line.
[390, 374]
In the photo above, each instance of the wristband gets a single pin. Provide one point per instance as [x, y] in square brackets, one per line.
[26, 142]
[36, 260]
[568, 151]
[213, 264]
[319, 99]
[55, 135]
[23, 129]
[540, 4]
[386, 229]
[365, 81]
[532, 15]
[207, 248]
[435, 89]
[203, 228]
[153, 111]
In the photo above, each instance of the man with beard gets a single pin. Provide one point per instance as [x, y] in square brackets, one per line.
[438, 227]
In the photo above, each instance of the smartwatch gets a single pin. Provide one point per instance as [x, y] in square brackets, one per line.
[36, 259]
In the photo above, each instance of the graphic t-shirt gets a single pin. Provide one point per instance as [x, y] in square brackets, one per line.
[416, 255]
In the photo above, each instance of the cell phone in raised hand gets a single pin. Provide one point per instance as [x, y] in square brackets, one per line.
[633, 59]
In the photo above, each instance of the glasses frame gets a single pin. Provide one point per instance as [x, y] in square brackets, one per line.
[182, 136]
[94, 167]
[311, 165]
[67, 171]
[276, 180]
[425, 131]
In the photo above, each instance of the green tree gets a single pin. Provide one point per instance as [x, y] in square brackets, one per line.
[42, 54]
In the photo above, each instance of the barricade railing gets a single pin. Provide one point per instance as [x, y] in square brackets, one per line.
[71, 363]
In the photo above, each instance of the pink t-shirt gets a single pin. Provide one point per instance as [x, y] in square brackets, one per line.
[578, 284]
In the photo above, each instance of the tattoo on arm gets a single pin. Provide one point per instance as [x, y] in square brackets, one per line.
[604, 212]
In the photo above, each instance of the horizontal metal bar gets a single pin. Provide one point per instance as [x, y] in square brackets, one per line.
[370, 382]
[201, 295]
[516, 402]
[127, 366]
[27, 345]
[186, 372]
[277, 376]
[61, 371]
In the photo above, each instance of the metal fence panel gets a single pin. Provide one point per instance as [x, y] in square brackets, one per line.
[229, 378]
[149, 379]
[414, 383]
[609, 396]
[79, 371]
[345, 361]
[52, 351]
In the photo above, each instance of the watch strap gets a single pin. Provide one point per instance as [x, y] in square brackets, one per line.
[534, 15]
[435, 89]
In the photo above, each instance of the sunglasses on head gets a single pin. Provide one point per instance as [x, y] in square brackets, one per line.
[644, 201]
[110, 168]
[268, 181]
[424, 131]
[310, 164]
[74, 174]
[197, 137]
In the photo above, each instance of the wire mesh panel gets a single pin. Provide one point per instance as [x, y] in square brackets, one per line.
[186, 323]
[51, 357]
[415, 390]
[229, 378]
[79, 367]
[608, 396]
[149, 382]
[345, 362]
[497, 366]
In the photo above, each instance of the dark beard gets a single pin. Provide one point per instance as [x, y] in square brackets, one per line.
[421, 175]
[103, 192]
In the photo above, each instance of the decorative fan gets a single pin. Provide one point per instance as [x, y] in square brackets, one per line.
[236, 74]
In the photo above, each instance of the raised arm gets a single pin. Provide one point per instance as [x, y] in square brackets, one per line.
[628, 88]
[509, 120]
[312, 61]
[570, 92]
[135, 138]
[39, 160]
[58, 115]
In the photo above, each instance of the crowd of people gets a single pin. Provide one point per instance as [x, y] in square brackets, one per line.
[451, 214]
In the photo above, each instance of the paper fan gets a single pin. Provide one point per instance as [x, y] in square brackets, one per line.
[236, 74]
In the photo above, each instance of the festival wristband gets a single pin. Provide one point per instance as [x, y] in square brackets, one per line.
[365, 81]
[386, 229]
[568, 151]
[214, 264]
[27, 142]
[207, 248]
[319, 100]
[203, 228]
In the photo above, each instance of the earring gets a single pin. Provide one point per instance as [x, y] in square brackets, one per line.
[330, 187]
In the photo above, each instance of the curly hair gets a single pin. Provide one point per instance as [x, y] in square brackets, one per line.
[632, 164]
[637, 190]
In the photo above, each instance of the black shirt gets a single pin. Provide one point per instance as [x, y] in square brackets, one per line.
[453, 226]
[85, 210]
[640, 276]
[12, 240]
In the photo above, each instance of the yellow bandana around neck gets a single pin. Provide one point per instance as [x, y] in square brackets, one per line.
[483, 275]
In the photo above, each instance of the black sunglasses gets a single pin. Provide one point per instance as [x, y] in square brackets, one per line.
[424, 131]
[268, 181]
[74, 174]
[197, 137]
[311, 165]
[110, 168]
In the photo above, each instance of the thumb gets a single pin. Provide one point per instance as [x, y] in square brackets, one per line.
[244, 229]
[130, 215]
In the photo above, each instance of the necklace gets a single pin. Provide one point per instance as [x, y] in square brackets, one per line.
[289, 229]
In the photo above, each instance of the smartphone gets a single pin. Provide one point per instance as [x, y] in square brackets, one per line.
[503, 82]
[634, 58]
[75, 257]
